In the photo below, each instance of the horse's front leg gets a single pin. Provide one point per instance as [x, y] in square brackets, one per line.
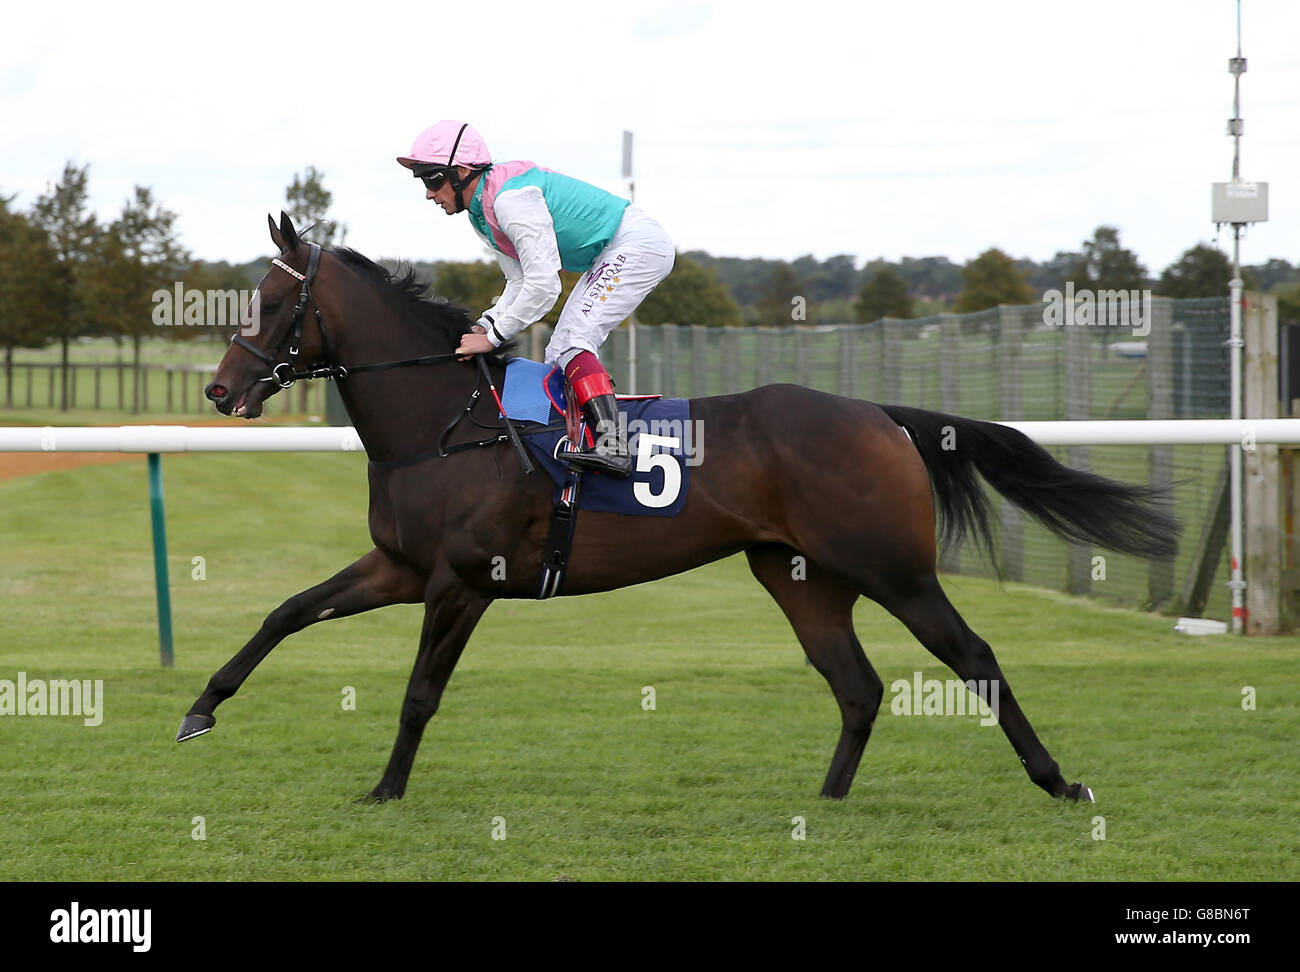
[374, 581]
[450, 613]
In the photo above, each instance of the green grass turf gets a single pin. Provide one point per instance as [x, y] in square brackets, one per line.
[543, 727]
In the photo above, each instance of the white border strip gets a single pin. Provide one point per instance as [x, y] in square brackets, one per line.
[184, 438]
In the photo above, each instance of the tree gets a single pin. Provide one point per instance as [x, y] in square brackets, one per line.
[690, 295]
[746, 279]
[32, 285]
[62, 213]
[220, 278]
[834, 279]
[473, 286]
[780, 297]
[138, 255]
[884, 295]
[1202, 271]
[839, 278]
[109, 281]
[308, 201]
[476, 287]
[1053, 274]
[1273, 274]
[1288, 304]
[935, 277]
[992, 279]
[1105, 265]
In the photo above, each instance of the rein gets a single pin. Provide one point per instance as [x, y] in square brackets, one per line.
[286, 375]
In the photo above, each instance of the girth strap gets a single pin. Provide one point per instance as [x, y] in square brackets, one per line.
[559, 541]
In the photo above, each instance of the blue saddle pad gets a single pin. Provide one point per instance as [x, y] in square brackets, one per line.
[524, 391]
[660, 437]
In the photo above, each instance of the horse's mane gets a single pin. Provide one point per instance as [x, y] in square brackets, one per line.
[406, 293]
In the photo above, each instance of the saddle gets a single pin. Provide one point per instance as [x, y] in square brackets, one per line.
[537, 396]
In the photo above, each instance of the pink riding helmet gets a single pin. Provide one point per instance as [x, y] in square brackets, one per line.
[436, 145]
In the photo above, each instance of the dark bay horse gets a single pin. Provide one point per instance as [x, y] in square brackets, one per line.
[847, 485]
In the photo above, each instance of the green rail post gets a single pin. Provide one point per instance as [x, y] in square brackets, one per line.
[160, 558]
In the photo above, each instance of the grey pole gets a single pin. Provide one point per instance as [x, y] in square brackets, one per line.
[1237, 203]
[631, 321]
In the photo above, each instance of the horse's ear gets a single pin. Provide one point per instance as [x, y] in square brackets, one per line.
[288, 232]
[276, 238]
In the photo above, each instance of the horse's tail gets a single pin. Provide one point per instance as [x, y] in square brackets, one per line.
[1077, 506]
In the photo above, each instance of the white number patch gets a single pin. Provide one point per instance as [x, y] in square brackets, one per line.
[647, 459]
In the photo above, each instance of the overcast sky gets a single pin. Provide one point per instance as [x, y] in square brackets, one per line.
[762, 130]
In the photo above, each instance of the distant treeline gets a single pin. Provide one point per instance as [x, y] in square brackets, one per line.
[708, 289]
[64, 274]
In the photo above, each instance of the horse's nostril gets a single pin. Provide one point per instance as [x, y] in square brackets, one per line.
[216, 392]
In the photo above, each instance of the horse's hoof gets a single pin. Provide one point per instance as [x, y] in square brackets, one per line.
[195, 724]
[1079, 792]
[379, 795]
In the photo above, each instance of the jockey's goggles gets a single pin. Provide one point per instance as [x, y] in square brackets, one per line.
[433, 176]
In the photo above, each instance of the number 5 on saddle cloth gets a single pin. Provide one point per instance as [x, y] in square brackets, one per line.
[659, 435]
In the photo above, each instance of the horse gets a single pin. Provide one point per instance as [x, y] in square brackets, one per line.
[849, 486]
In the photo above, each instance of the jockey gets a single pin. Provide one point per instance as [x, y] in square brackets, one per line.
[539, 222]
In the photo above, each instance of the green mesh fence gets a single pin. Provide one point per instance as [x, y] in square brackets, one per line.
[1000, 364]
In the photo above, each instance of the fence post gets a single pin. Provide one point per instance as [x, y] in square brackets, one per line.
[1160, 459]
[765, 356]
[800, 357]
[669, 379]
[848, 373]
[1011, 408]
[699, 360]
[1261, 476]
[950, 363]
[950, 402]
[1079, 343]
[731, 360]
[159, 519]
[893, 358]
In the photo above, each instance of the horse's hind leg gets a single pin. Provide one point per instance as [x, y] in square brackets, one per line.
[926, 611]
[820, 609]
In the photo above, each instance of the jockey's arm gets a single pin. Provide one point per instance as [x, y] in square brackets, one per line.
[532, 281]
[514, 282]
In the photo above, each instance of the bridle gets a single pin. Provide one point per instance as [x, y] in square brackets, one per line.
[291, 375]
[284, 373]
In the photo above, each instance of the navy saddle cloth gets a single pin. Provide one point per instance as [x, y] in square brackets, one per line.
[660, 437]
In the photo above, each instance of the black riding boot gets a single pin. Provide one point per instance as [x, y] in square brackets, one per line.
[610, 454]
